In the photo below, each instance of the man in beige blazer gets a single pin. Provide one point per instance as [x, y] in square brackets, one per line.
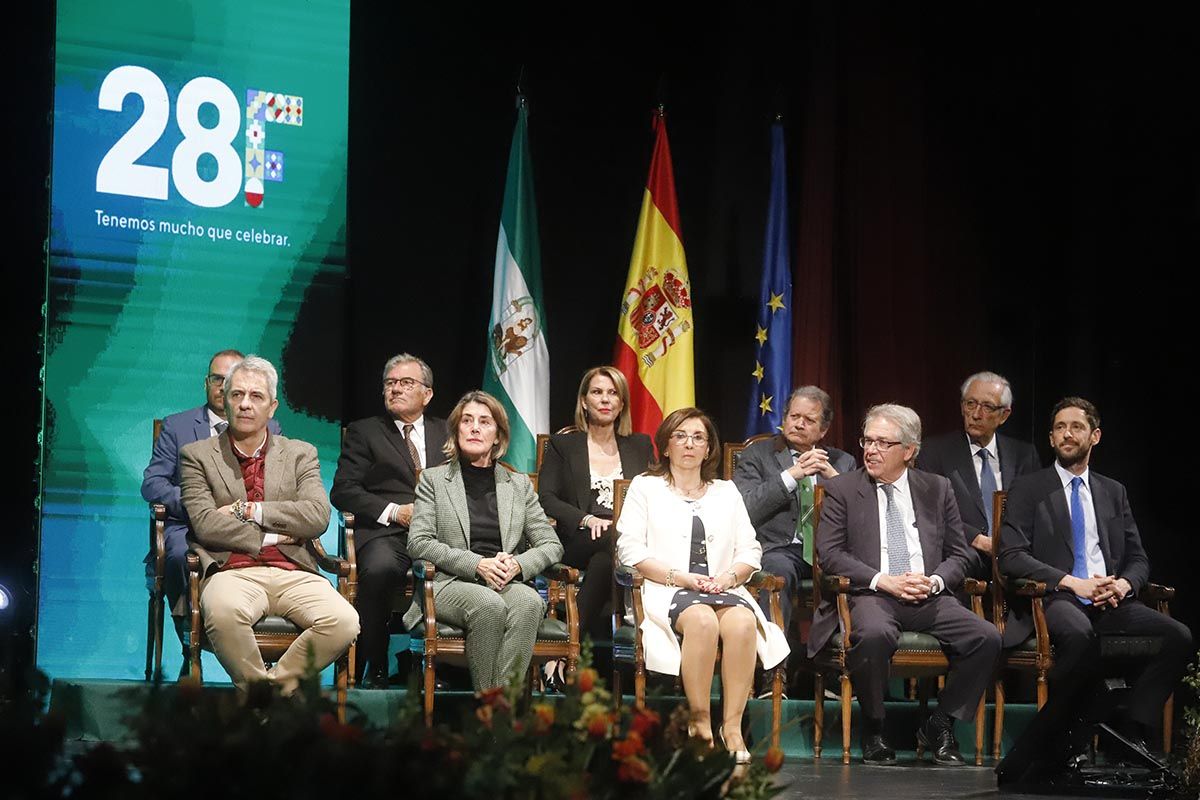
[256, 501]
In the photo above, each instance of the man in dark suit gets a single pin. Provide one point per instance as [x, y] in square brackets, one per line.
[1073, 529]
[376, 481]
[776, 478]
[161, 481]
[896, 534]
[255, 502]
[979, 463]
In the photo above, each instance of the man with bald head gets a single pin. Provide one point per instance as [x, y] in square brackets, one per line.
[978, 461]
[895, 533]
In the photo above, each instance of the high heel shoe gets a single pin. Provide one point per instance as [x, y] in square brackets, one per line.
[694, 733]
[740, 757]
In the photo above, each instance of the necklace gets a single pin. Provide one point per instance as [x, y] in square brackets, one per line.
[689, 494]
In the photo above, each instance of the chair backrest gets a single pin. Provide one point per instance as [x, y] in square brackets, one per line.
[732, 451]
[157, 431]
[620, 489]
[543, 439]
[999, 609]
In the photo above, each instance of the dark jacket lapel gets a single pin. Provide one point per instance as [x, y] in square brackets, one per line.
[964, 467]
[867, 521]
[1100, 503]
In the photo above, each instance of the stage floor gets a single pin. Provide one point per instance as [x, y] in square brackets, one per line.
[908, 780]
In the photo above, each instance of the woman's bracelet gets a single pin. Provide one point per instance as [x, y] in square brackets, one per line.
[583, 523]
[733, 574]
[671, 577]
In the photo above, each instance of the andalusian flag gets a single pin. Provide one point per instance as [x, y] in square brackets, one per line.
[518, 363]
[654, 334]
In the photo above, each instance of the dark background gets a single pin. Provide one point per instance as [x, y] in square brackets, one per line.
[973, 186]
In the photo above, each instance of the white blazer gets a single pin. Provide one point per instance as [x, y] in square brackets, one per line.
[657, 523]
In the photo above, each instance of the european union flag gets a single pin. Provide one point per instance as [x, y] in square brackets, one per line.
[772, 382]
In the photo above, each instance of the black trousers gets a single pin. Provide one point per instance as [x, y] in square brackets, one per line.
[383, 565]
[972, 645]
[1075, 630]
[788, 563]
[594, 556]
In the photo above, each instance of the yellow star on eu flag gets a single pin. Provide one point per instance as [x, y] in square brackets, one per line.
[776, 303]
[761, 334]
[765, 404]
[758, 371]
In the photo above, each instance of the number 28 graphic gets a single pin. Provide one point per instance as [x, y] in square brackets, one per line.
[119, 172]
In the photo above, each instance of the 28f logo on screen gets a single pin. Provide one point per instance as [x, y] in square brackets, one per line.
[119, 172]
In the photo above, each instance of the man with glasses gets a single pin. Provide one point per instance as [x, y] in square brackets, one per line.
[776, 478]
[979, 463]
[895, 533]
[376, 480]
[1073, 529]
[160, 481]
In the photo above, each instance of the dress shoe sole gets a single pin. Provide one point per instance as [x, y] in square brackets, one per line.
[880, 762]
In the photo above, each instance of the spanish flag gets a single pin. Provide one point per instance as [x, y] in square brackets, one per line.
[654, 334]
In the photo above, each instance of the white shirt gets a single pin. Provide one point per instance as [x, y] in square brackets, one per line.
[902, 497]
[213, 421]
[993, 462]
[418, 440]
[1091, 535]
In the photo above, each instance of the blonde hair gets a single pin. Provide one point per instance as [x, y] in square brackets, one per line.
[622, 424]
[499, 415]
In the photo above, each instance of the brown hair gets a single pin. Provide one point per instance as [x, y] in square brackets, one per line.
[662, 441]
[622, 424]
[1089, 411]
[498, 414]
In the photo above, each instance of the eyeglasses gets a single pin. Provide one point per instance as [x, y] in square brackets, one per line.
[680, 437]
[971, 405]
[407, 384]
[882, 445]
[216, 380]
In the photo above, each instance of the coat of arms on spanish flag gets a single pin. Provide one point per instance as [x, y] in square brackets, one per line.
[654, 334]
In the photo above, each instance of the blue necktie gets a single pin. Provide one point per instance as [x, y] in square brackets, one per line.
[898, 556]
[987, 487]
[1078, 538]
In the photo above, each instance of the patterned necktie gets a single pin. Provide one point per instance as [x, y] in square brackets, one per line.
[221, 427]
[804, 520]
[987, 487]
[897, 544]
[412, 448]
[1078, 536]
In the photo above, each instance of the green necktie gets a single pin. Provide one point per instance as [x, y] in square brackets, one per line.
[804, 520]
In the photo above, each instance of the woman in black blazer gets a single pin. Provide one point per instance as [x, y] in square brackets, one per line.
[575, 485]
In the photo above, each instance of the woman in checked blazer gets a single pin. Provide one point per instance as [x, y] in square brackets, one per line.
[486, 533]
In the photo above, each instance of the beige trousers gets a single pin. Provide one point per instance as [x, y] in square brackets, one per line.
[231, 602]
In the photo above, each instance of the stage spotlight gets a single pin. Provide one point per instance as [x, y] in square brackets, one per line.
[5, 599]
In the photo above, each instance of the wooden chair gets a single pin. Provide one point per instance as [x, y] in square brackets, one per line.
[156, 612]
[627, 639]
[274, 634]
[1036, 654]
[543, 439]
[732, 451]
[555, 639]
[919, 655]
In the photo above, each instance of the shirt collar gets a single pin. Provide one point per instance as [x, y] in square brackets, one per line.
[262, 448]
[900, 484]
[991, 448]
[418, 424]
[1066, 476]
[214, 419]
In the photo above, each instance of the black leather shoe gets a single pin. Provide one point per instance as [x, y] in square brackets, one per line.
[876, 750]
[938, 738]
[374, 680]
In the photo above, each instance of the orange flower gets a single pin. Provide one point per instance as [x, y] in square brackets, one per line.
[629, 747]
[494, 697]
[484, 714]
[587, 679]
[543, 717]
[597, 726]
[633, 770]
[773, 760]
[645, 722]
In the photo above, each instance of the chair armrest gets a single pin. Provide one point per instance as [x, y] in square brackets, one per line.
[334, 566]
[423, 570]
[193, 561]
[628, 577]
[562, 573]
[1156, 593]
[839, 584]
[974, 586]
[1027, 587]
[765, 580]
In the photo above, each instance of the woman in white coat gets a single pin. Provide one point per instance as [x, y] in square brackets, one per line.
[690, 537]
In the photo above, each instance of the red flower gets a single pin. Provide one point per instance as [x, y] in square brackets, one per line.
[484, 715]
[587, 679]
[629, 747]
[773, 760]
[645, 722]
[543, 717]
[597, 726]
[494, 697]
[633, 770]
[336, 730]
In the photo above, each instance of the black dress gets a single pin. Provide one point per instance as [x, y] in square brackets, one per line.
[686, 598]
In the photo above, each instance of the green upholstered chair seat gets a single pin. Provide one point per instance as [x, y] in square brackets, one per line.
[909, 641]
[549, 630]
[277, 626]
